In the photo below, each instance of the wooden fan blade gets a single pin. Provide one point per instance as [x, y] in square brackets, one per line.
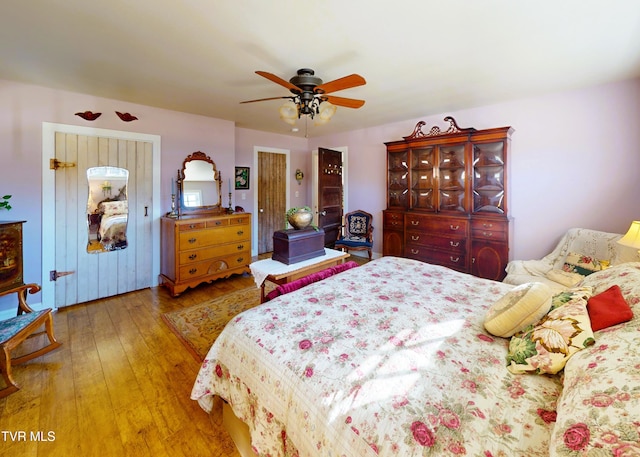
[278, 80]
[342, 101]
[346, 82]
[263, 99]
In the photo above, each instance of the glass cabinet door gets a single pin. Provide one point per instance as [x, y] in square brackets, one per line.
[451, 178]
[398, 183]
[422, 179]
[488, 178]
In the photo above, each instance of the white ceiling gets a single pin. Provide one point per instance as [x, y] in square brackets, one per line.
[419, 57]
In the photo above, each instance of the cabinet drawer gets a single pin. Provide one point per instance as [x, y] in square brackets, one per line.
[485, 234]
[201, 238]
[437, 225]
[447, 259]
[197, 255]
[393, 220]
[489, 229]
[446, 243]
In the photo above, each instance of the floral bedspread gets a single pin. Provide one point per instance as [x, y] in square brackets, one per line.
[390, 358]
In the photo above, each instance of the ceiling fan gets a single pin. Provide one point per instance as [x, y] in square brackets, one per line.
[309, 92]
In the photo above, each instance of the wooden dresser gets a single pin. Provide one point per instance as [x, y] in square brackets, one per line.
[447, 194]
[197, 249]
[11, 269]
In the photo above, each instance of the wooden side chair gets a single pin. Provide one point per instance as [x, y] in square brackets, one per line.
[15, 330]
[357, 232]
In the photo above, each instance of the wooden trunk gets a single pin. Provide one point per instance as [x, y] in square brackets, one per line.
[292, 246]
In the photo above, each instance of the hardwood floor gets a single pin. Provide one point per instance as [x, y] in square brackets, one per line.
[118, 386]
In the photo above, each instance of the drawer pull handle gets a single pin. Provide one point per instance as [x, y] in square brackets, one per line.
[192, 240]
[454, 260]
[240, 220]
[415, 222]
[240, 233]
[485, 225]
[488, 234]
[454, 227]
[394, 222]
[240, 247]
[454, 244]
[192, 226]
[415, 251]
[240, 259]
[218, 222]
[193, 256]
[415, 237]
[193, 271]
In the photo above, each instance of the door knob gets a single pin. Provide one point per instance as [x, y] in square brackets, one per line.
[261, 210]
[322, 213]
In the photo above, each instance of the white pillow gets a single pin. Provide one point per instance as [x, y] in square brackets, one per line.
[523, 305]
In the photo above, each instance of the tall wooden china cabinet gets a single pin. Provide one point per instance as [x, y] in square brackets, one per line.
[447, 198]
[201, 240]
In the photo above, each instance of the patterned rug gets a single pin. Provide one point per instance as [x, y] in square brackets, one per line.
[199, 325]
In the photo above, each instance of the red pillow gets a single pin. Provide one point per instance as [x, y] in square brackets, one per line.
[608, 308]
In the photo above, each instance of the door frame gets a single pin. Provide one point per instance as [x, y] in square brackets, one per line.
[254, 185]
[314, 180]
[49, 199]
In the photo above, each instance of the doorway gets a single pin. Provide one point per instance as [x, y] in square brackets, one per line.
[329, 193]
[84, 276]
[271, 197]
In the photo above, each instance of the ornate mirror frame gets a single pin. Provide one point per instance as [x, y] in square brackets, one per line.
[215, 207]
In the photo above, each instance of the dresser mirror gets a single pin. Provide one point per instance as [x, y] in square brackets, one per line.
[199, 185]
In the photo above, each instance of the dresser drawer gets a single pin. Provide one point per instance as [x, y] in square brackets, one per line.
[192, 226]
[437, 225]
[217, 223]
[207, 268]
[202, 238]
[446, 243]
[242, 220]
[197, 255]
[457, 261]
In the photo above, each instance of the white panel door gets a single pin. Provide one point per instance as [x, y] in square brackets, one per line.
[82, 275]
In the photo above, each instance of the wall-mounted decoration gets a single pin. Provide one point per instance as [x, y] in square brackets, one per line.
[242, 177]
[299, 176]
[126, 117]
[89, 115]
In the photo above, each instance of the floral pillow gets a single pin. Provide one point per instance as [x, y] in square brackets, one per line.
[598, 409]
[583, 264]
[545, 347]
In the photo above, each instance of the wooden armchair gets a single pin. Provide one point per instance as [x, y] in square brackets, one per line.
[15, 330]
[358, 232]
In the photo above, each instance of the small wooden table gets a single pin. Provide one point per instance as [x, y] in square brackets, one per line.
[280, 273]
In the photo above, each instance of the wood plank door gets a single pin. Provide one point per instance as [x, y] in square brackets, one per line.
[330, 194]
[84, 275]
[272, 197]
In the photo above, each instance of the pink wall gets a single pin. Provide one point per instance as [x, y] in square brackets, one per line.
[575, 156]
[23, 108]
[575, 162]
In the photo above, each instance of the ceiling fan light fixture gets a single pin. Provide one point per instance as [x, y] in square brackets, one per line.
[325, 113]
[289, 112]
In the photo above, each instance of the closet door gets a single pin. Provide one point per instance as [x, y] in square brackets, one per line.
[88, 265]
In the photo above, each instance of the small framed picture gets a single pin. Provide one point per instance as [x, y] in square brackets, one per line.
[242, 177]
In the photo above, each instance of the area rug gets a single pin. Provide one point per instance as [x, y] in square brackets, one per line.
[199, 325]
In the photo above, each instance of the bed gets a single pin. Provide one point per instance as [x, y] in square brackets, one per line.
[112, 232]
[393, 359]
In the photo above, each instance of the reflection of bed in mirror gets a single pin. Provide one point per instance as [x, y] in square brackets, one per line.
[112, 232]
